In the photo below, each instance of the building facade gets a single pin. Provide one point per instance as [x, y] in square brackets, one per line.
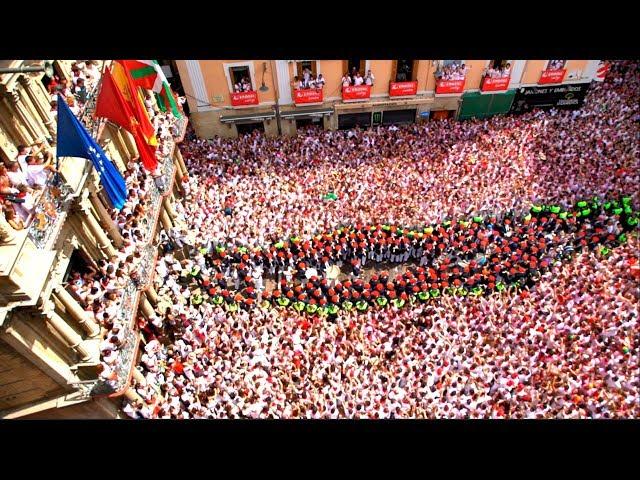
[49, 343]
[402, 91]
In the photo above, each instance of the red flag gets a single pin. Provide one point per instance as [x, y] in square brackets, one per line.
[125, 83]
[112, 105]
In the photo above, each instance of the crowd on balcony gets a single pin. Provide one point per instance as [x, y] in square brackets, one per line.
[500, 71]
[308, 80]
[556, 64]
[354, 78]
[84, 77]
[21, 180]
[100, 290]
[452, 71]
[559, 342]
[244, 85]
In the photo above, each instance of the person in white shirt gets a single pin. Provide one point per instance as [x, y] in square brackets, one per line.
[37, 173]
[507, 70]
[346, 80]
[358, 80]
[320, 81]
[369, 79]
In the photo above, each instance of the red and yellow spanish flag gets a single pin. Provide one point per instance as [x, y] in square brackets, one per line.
[122, 77]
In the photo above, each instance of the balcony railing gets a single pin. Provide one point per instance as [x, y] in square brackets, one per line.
[50, 211]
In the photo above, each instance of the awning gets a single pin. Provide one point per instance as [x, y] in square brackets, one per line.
[307, 112]
[248, 118]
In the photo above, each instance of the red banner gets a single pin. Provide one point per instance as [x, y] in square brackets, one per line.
[495, 84]
[552, 76]
[241, 99]
[361, 92]
[450, 86]
[310, 95]
[403, 89]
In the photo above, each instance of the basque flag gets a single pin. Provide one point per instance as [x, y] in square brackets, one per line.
[75, 141]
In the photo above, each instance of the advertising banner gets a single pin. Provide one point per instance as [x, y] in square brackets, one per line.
[560, 96]
[552, 76]
[449, 86]
[311, 95]
[495, 84]
[242, 99]
[355, 93]
[403, 89]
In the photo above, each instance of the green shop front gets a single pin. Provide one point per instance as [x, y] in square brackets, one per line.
[482, 105]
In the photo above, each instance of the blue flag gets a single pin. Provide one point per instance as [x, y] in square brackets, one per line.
[75, 141]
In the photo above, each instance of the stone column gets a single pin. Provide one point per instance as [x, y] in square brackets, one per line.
[182, 167]
[30, 112]
[40, 104]
[112, 228]
[167, 206]
[152, 295]
[37, 349]
[12, 102]
[104, 244]
[69, 334]
[129, 142]
[138, 377]
[77, 312]
[145, 306]
[165, 219]
[132, 395]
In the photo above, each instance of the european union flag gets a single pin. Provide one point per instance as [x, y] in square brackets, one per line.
[75, 141]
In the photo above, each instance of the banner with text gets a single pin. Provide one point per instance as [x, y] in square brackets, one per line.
[552, 76]
[495, 84]
[449, 86]
[403, 89]
[355, 93]
[242, 99]
[311, 95]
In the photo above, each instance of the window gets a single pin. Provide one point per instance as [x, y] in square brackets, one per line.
[353, 66]
[241, 79]
[405, 70]
[451, 70]
[556, 64]
[498, 69]
[306, 72]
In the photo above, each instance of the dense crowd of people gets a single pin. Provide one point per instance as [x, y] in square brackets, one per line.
[533, 217]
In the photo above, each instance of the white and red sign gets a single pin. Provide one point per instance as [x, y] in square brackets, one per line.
[310, 95]
[450, 86]
[603, 68]
[495, 84]
[552, 76]
[242, 99]
[403, 89]
[356, 93]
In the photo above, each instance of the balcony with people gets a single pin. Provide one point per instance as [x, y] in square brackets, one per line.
[554, 72]
[355, 87]
[308, 84]
[450, 76]
[496, 77]
[102, 291]
[404, 78]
